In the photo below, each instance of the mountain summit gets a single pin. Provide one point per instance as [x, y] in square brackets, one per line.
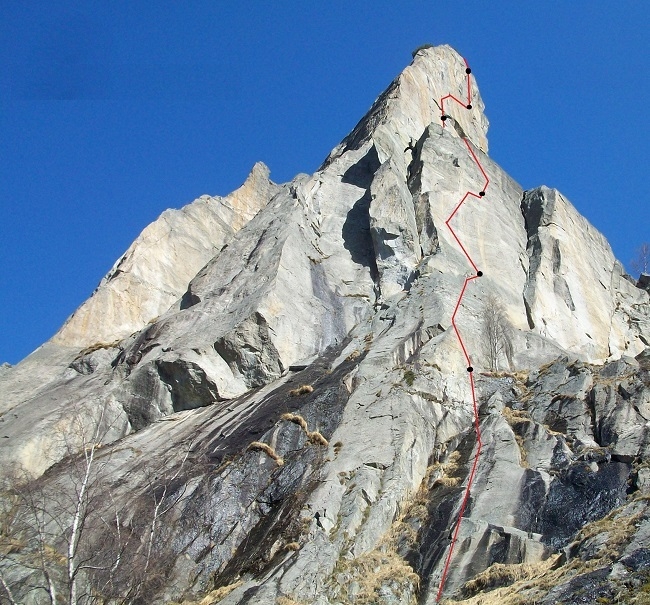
[397, 380]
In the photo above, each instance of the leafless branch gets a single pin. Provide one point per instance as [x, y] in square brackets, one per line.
[641, 262]
[496, 333]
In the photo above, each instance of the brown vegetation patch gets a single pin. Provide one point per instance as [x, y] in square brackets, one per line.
[515, 417]
[214, 596]
[317, 438]
[267, 449]
[378, 569]
[447, 481]
[96, 347]
[296, 419]
[529, 583]
[303, 389]
[500, 574]
[314, 437]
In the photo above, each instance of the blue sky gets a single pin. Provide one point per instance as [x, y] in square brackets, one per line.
[111, 112]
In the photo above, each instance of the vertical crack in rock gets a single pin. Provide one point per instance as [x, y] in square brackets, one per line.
[356, 228]
[427, 232]
[443, 500]
[532, 209]
[560, 286]
[393, 227]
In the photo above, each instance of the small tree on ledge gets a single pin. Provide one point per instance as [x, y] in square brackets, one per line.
[496, 333]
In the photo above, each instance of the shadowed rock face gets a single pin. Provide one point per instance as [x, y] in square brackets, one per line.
[274, 399]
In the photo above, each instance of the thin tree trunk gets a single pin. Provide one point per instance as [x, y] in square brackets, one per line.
[12, 601]
[77, 524]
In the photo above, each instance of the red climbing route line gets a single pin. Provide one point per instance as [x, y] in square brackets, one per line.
[470, 369]
[485, 176]
[467, 105]
[453, 319]
[468, 71]
[450, 96]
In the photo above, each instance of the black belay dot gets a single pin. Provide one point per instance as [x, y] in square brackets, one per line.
[469, 106]
[482, 193]
[468, 71]
[479, 274]
[470, 369]
[443, 117]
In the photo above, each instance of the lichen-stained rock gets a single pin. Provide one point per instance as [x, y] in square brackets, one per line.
[151, 275]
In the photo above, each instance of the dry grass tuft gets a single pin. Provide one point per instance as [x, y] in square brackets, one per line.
[448, 469]
[296, 419]
[377, 569]
[317, 438]
[523, 454]
[352, 356]
[314, 437]
[520, 376]
[527, 582]
[292, 546]
[214, 596]
[452, 464]
[515, 417]
[287, 601]
[301, 390]
[447, 481]
[267, 449]
[499, 574]
[619, 530]
[9, 545]
[96, 347]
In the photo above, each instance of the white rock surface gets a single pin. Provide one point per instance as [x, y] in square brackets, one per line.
[155, 270]
[576, 293]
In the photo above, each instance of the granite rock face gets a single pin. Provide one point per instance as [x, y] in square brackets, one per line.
[278, 372]
[152, 274]
[577, 293]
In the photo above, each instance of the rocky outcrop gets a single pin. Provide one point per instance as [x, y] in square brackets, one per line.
[577, 293]
[294, 398]
[151, 275]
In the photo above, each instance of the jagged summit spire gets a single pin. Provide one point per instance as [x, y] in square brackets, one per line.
[411, 102]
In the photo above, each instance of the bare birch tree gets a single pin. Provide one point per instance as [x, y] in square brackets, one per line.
[51, 520]
[641, 262]
[164, 491]
[496, 333]
[69, 529]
